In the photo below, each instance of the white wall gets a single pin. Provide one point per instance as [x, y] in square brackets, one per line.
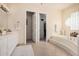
[18, 13]
[34, 27]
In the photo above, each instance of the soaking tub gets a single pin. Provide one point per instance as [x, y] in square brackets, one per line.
[69, 44]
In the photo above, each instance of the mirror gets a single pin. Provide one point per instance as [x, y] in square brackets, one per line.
[3, 20]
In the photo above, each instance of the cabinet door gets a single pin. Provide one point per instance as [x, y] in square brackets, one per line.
[12, 42]
[10, 45]
[3, 47]
[0, 46]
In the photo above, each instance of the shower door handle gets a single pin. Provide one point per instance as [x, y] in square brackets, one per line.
[27, 21]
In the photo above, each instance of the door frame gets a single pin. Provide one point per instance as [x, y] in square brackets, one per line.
[46, 25]
[26, 23]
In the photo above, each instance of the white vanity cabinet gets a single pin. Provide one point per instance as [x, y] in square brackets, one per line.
[8, 43]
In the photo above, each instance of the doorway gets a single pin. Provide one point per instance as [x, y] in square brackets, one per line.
[29, 27]
[42, 27]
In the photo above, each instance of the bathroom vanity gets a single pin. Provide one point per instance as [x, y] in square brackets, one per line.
[8, 40]
[8, 43]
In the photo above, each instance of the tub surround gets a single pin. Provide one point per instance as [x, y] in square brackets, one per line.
[70, 44]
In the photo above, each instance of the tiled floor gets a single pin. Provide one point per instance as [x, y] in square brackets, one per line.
[47, 49]
[40, 49]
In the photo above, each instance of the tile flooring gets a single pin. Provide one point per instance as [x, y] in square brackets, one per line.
[40, 49]
[47, 49]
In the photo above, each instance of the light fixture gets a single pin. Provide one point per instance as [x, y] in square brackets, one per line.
[4, 8]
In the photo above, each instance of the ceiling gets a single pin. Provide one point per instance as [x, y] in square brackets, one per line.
[59, 6]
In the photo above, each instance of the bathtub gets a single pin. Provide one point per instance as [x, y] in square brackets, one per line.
[69, 44]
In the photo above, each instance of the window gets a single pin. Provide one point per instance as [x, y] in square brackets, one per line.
[73, 21]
